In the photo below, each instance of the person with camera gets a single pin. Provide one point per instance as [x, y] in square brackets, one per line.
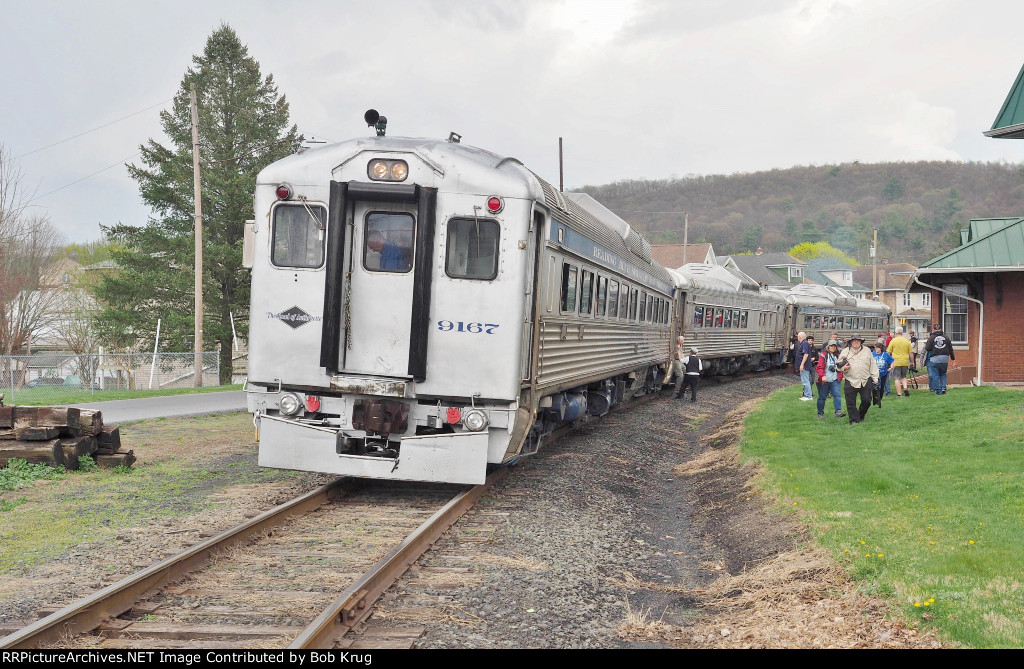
[829, 379]
[859, 372]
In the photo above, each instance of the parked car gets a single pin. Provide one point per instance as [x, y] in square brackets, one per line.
[73, 381]
[45, 381]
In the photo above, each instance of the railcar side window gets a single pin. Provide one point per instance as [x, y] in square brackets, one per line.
[743, 319]
[568, 287]
[736, 318]
[728, 319]
[624, 301]
[709, 317]
[613, 298]
[698, 317]
[643, 307]
[387, 242]
[602, 294]
[472, 249]
[718, 317]
[817, 322]
[586, 291]
[650, 308]
[298, 239]
[849, 322]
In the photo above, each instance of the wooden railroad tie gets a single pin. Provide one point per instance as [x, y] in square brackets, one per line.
[59, 437]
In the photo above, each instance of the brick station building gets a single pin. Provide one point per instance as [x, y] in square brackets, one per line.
[978, 296]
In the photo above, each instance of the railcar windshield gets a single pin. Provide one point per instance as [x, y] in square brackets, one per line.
[387, 242]
[472, 249]
[298, 235]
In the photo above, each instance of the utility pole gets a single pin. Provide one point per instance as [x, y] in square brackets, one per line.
[561, 180]
[686, 232]
[874, 267]
[198, 188]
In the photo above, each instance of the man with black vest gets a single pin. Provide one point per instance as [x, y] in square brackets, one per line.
[692, 367]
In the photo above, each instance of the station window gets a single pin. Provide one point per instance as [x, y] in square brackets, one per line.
[586, 292]
[602, 295]
[569, 273]
[472, 249]
[387, 242]
[954, 312]
[298, 239]
[613, 298]
[698, 316]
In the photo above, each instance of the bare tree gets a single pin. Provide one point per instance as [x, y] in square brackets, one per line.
[28, 246]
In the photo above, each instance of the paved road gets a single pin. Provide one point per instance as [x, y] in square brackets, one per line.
[124, 411]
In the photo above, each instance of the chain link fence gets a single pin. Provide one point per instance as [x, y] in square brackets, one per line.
[69, 378]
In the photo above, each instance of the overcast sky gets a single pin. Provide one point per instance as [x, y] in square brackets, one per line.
[637, 88]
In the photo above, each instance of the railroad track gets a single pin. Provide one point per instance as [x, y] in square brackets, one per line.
[274, 580]
[299, 575]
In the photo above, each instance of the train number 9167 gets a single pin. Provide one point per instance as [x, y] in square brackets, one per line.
[459, 326]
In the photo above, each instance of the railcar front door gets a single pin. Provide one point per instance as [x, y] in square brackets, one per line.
[381, 287]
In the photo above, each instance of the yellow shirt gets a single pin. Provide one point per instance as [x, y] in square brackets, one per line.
[900, 349]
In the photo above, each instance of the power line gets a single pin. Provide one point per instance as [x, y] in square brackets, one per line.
[94, 129]
[120, 162]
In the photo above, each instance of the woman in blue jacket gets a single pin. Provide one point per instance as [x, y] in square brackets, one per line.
[884, 362]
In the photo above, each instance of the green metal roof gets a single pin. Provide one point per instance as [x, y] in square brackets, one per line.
[1009, 123]
[990, 243]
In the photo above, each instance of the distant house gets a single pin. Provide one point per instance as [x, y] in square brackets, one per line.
[772, 270]
[910, 303]
[675, 256]
[977, 293]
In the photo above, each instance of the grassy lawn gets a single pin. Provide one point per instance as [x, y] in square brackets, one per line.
[923, 502]
[46, 396]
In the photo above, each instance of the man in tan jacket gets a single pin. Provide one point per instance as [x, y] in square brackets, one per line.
[859, 368]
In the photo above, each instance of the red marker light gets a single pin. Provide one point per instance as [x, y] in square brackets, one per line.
[284, 192]
[312, 404]
[453, 415]
[494, 204]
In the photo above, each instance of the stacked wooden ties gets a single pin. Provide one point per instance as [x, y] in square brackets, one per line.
[59, 436]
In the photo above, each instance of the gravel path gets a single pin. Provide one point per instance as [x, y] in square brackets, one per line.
[593, 520]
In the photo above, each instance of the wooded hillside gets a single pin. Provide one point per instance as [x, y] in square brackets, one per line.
[918, 208]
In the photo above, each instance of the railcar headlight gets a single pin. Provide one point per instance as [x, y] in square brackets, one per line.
[379, 170]
[289, 404]
[474, 420]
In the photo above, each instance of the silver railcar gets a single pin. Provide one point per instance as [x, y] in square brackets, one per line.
[422, 309]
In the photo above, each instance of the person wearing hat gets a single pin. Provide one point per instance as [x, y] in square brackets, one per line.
[859, 372]
[830, 379]
[692, 367]
[940, 350]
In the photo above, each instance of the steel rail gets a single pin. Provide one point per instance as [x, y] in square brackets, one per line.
[355, 603]
[88, 613]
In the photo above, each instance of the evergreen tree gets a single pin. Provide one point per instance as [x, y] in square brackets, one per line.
[243, 126]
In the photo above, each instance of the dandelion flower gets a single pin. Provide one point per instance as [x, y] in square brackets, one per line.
[917, 603]
[980, 524]
[867, 555]
[932, 600]
[971, 542]
[931, 543]
[927, 603]
[794, 503]
[879, 555]
[863, 543]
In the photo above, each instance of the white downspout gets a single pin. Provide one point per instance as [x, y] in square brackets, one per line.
[981, 317]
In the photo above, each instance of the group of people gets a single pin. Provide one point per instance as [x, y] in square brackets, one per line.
[860, 370]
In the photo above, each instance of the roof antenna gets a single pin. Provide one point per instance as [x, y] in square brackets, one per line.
[454, 137]
[379, 123]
